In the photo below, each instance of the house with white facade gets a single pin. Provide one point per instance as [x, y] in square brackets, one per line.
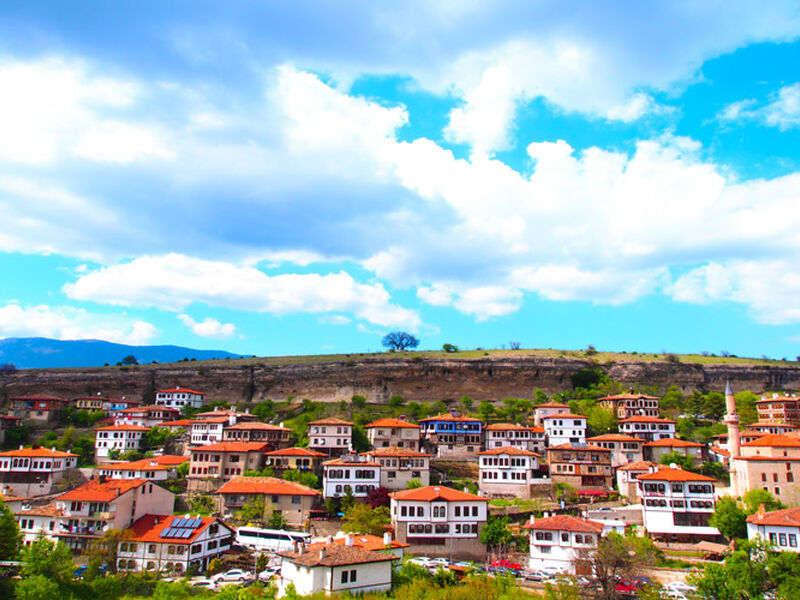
[507, 472]
[648, 428]
[562, 542]
[155, 468]
[386, 433]
[518, 436]
[625, 449]
[440, 520]
[781, 528]
[399, 466]
[627, 478]
[30, 472]
[452, 435]
[367, 541]
[205, 432]
[173, 544]
[38, 519]
[117, 437]
[677, 504]
[292, 500]
[658, 449]
[331, 436]
[547, 409]
[332, 568]
[145, 416]
[178, 397]
[564, 428]
[361, 474]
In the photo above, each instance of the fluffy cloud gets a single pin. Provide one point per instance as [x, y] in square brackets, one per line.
[781, 111]
[173, 282]
[208, 327]
[67, 323]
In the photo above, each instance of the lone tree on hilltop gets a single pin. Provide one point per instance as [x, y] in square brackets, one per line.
[399, 340]
[129, 360]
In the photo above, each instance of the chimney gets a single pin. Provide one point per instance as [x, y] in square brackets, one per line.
[294, 547]
[350, 540]
[387, 539]
[281, 424]
[761, 511]
[301, 548]
[158, 520]
[329, 540]
[322, 553]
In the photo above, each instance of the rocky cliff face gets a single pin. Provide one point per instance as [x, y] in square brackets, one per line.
[378, 378]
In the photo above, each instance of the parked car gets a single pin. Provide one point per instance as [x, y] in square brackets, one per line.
[535, 576]
[205, 584]
[466, 565]
[233, 575]
[267, 574]
[680, 586]
[507, 564]
[441, 562]
[421, 561]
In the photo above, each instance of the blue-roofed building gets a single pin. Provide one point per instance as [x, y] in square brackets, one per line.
[452, 436]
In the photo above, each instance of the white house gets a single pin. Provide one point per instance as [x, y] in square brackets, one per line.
[441, 519]
[677, 504]
[332, 568]
[28, 472]
[209, 431]
[780, 527]
[648, 428]
[332, 436]
[627, 482]
[519, 436]
[156, 468]
[117, 437]
[399, 466]
[36, 519]
[145, 416]
[507, 471]
[361, 474]
[560, 541]
[179, 397]
[564, 428]
[173, 544]
[546, 410]
[625, 449]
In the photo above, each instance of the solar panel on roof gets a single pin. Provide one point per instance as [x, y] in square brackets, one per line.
[178, 522]
[166, 533]
[196, 522]
[187, 533]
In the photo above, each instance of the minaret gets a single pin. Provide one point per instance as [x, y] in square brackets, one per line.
[732, 421]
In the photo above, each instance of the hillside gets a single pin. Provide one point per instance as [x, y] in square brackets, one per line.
[417, 376]
[43, 353]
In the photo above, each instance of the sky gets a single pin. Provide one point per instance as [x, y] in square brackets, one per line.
[279, 178]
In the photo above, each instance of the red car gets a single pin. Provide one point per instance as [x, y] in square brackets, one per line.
[507, 564]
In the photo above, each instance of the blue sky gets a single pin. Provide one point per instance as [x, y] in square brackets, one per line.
[274, 178]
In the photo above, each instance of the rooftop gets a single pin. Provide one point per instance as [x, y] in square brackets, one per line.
[565, 523]
[450, 417]
[551, 405]
[233, 447]
[155, 463]
[36, 453]
[150, 527]
[510, 450]
[615, 437]
[673, 443]
[266, 485]
[295, 452]
[395, 451]
[642, 465]
[399, 423]
[180, 390]
[335, 555]
[628, 396]
[363, 540]
[255, 425]
[331, 421]
[774, 440]
[564, 415]
[670, 474]
[643, 419]
[125, 427]
[96, 490]
[579, 447]
[431, 492]
[788, 517]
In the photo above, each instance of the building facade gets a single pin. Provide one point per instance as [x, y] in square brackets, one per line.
[779, 408]
[564, 428]
[145, 416]
[630, 405]
[292, 500]
[213, 465]
[658, 449]
[547, 409]
[562, 542]
[301, 459]
[276, 437]
[770, 462]
[399, 466]
[625, 449]
[781, 528]
[30, 472]
[178, 397]
[387, 433]
[627, 479]
[507, 472]
[452, 436]
[333, 437]
[361, 474]
[499, 435]
[582, 466]
[37, 407]
[648, 428]
[117, 437]
[156, 468]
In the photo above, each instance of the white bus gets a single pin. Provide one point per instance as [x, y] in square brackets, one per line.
[269, 539]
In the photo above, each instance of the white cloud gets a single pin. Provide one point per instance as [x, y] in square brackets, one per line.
[334, 320]
[120, 143]
[173, 282]
[781, 111]
[483, 302]
[208, 327]
[68, 323]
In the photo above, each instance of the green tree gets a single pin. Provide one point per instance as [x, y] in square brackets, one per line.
[399, 340]
[679, 458]
[201, 504]
[729, 519]
[673, 399]
[183, 469]
[564, 588]
[38, 587]
[495, 533]
[396, 401]
[16, 436]
[601, 420]
[618, 557]
[252, 511]
[264, 410]
[361, 518]
[306, 478]
[277, 520]
[414, 484]
[485, 409]
[48, 559]
[540, 397]
[754, 498]
[358, 402]
[746, 406]
[439, 407]
[10, 537]
[467, 403]
[129, 360]
[449, 348]
[360, 439]
[348, 500]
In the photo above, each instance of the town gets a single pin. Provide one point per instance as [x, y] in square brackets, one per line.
[335, 501]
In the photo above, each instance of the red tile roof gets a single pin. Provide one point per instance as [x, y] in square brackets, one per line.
[95, 490]
[149, 408]
[771, 424]
[179, 390]
[565, 523]
[642, 465]
[336, 555]
[122, 428]
[673, 443]
[392, 423]
[366, 541]
[578, 448]
[233, 447]
[670, 474]
[628, 396]
[643, 419]
[48, 510]
[431, 493]
[564, 415]
[449, 417]
[507, 427]
[551, 405]
[339, 462]
[149, 528]
[718, 450]
[510, 450]
[37, 453]
[331, 421]
[155, 463]
[774, 440]
[178, 423]
[788, 517]
[295, 452]
[615, 437]
[395, 451]
[266, 485]
[253, 426]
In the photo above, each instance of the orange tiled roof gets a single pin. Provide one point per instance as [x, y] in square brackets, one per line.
[266, 485]
[155, 463]
[36, 453]
[295, 452]
[179, 390]
[331, 421]
[564, 415]
[366, 541]
[788, 517]
[210, 420]
[148, 408]
[551, 405]
[149, 528]
[233, 447]
[337, 555]
[178, 423]
[615, 437]
[392, 423]
[253, 425]
[719, 450]
[122, 428]
[449, 417]
[431, 493]
[673, 443]
[395, 451]
[565, 523]
[338, 462]
[575, 447]
[511, 450]
[48, 510]
[771, 424]
[670, 474]
[628, 396]
[642, 465]
[774, 440]
[643, 419]
[507, 427]
[95, 490]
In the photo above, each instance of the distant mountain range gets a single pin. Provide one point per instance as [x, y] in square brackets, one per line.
[43, 353]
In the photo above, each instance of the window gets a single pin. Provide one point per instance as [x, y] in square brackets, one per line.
[782, 538]
[344, 576]
[565, 537]
[793, 540]
[352, 575]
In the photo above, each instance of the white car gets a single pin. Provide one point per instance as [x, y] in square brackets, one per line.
[680, 586]
[267, 574]
[233, 575]
[205, 584]
[439, 562]
[422, 561]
